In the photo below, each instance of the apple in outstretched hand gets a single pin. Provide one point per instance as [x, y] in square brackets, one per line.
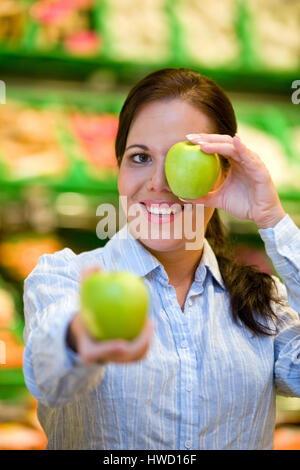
[114, 305]
[190, 172]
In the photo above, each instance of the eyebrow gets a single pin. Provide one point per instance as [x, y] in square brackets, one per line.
[144, 147]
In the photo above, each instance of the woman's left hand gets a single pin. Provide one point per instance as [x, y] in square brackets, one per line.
[248, 191]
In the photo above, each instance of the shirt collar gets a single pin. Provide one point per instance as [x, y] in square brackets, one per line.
[208, 262]
[129, 253]
[132, 255]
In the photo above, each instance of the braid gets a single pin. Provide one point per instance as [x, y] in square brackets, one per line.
[250, 290]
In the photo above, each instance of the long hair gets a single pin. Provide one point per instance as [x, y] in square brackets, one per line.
[251, 291]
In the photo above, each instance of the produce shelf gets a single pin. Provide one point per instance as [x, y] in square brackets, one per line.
[243, 65]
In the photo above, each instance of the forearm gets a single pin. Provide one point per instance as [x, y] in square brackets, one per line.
[282, 243]
[53, 372]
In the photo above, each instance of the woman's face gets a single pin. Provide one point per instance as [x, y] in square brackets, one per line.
[156, 127]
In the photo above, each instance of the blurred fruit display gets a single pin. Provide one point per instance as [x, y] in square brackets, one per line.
[47, 143]
[29, 145]
[276, 27]
[14, 349]
[284, 171]
[96, 135]
[16, 436]
[136, 40]
[209, 38]
[19, 426]
[66, 24]
[7, 309]
[245, 35]
[287, 438]
[20, 253]
[12, 21]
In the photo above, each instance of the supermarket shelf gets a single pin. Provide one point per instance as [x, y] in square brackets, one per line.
[35, 52]
[41, 65]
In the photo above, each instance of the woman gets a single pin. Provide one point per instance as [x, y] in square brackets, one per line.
[221, 338]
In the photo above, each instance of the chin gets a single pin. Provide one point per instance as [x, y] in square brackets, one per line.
[163, 245]
[165, 237]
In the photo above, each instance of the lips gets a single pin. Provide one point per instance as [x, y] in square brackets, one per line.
[159, 207]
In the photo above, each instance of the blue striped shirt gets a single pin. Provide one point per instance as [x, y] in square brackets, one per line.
[206, 382]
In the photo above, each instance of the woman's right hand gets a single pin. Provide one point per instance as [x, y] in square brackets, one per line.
[117, 350]
[91, 350]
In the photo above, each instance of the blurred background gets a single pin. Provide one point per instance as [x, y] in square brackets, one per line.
[65, 69]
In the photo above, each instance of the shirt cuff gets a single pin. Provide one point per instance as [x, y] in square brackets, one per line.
[73, 359]
[54, 373]
[282, 244]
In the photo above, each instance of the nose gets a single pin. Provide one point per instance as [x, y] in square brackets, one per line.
[157, 179]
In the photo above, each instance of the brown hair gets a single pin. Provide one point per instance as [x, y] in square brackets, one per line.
[250, 290]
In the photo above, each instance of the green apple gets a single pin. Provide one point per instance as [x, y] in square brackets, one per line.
[190, 172]
[114, 305]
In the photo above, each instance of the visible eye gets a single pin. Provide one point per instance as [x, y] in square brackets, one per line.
[139, 157]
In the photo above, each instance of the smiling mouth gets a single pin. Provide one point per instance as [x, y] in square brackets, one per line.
[162, 209]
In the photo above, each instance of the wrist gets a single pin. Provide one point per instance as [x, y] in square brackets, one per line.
[271, 220]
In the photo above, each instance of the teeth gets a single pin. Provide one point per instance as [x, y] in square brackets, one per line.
[162, 211]
[155, 210]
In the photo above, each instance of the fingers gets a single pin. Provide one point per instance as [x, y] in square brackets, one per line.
[128, 351]
[87, 271]
[141, 343]
[225, 149]
[119, 350]
[195, 138]
[216, 143]
[227, 146]
[246, 154]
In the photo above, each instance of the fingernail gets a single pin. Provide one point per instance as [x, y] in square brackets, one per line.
[192, 136]
[183, 200]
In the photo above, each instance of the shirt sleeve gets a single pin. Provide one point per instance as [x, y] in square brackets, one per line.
[282, 244]
[53, 372]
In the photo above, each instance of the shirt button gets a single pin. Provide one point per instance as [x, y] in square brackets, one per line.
[188, 444]
[184, 344]
[189, 388]
[190, 302]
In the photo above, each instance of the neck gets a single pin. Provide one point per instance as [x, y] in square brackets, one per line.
[180, 266]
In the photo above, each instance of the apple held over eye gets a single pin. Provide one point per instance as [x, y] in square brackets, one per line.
[190, 172]
[114, 305]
